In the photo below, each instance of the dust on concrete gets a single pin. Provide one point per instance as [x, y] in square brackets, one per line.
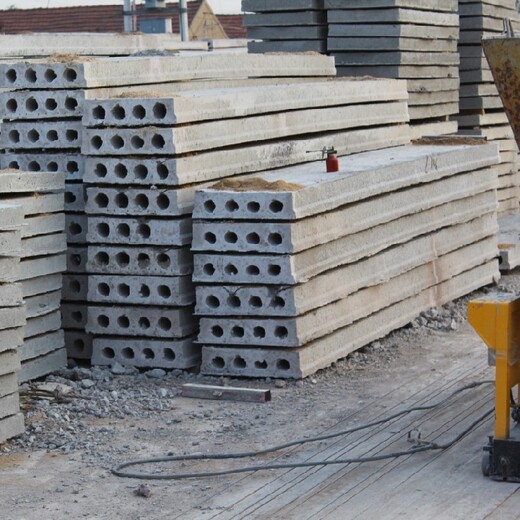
[449, 140]
[255, 184]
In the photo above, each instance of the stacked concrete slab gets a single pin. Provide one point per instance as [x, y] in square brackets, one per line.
[297, 268]
[43, 248]
[290, 26]
[416, 41]
[481, 110]
[12, 319]
[146, 157]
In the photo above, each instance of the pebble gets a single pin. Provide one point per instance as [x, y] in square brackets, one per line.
[156, 373]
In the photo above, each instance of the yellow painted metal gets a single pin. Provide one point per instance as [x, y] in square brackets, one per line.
[496, 319]
[503, 55]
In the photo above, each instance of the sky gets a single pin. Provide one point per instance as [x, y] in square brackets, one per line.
[219, 6]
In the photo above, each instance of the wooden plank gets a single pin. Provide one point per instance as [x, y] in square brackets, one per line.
[228, 393]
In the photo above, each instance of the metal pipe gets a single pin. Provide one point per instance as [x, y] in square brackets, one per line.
[127, 19]
[183, 21]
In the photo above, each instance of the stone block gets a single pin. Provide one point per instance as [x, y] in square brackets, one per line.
[141, 290]
[179, 354]
[158, 322]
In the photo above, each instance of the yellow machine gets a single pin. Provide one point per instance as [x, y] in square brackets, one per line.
[497, 318]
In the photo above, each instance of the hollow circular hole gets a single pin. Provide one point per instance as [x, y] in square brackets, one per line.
[144, 291]
[210, 238]
[11, 76]
[120, 171]
[71, 104]
[208, 269]
[239, 362]
[140, 172]
[122, 259]
[261, 365]
[142, 201]
[30, 75]
[70, 197]
[252, 270]
[71, 135]
[274, 239]
[123, 322]
[213, 302]
[34, 166]
[162, 171]
[70, 74]
[158, 141]
[49, 75]
[52, 166]
[33, 135]
[232, 205]
[79, 345]
[169, 354]
[75, 229]
[163, 260]
[101, 200]
[123, 230]
[231, 270]
[218, 362]
[164, 323]
[137, 142]
[159, 110]
[234, 301]
[255, 301]
[217, 331]
[230, 237]
[14, 165]
[76, 316]
[103, 321]
[75, 259]
[253, 238]
[139, 112]
[276, 206]
[278, 302]
[144, 230]
[281, 332]
[209, 206]
[259, 332]
[143, 260]
[52, 135]
[128, 353]
[144, 323]
[121, 200]
[108, 353]
[118, 112]
[75, 286]
[164, 291]
[274, 270]
[237, 332]
[11, 105]
[103, 229]
[148, 353]
[96, 142]
[117, 142]
[103, 289]
[123, 290]
[50, 104]
[253, 207]
[102, 258]
[163, 202]
[100, 170]
[14, 136]
[283, 364]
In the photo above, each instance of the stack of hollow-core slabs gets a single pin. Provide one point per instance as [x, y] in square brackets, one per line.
[147, 156]
[12, 319]
[481, 110]
[297, 268]
[43, 247]
[290, 26]
[413, 40]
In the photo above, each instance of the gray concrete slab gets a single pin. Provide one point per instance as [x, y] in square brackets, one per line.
[111, 230]
[486, 119]
[141, 321]
[217, 164]
[11, 427]
[75, 287]
[76, 227]
[77, 259]
[9, 269]
[56, 135]
[38, 203]
[298, 331]
[449, 6]
[139, 260]
[33, 104]
[141, 290]
[42, 304]
[225, 103]
[10, 243]
[484, 89]
[274, 5]
[221, 133]
[41, 345]
[79, 344]
[482, 9]
[30, 182]
[150, 353]
[106, 72]
[9, 405]
[285, 269]
[11, 339]
[429, 32]
[12, 317]
[393, 15]
[477, 102]
[8, 384]
[36, 267]
[42, 324]
[399, 71]
[43, 365]
[319, 46]
[43, 225]
[44, 245]
[413, 59]
[11, 295]
[11, 216]
[9, 361]
[419, 113]
[295, 32]
[282, 237]
[298, 363]
[433, 98]
[72, 164]
[140, 202]
[421, 129]
[41, 285]
[282, 19]
[339, 43]
[361, 176]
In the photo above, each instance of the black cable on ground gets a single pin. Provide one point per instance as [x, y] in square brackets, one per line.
[118, 470]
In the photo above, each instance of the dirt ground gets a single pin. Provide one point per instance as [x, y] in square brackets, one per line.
[60, 468]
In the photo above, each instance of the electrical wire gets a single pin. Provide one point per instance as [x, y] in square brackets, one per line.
[423, 447]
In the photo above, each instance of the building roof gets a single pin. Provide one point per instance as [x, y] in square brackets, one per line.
[95, 18]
